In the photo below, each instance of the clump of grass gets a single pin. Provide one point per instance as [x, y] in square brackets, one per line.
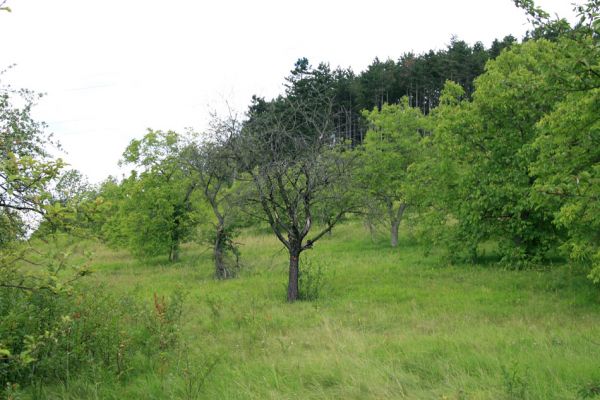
[590, 390]
[515, 383]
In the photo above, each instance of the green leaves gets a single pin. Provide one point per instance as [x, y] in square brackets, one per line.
[537, 13]
[568, 171]
[27, 175]
[391, 146]
[154, 210]
[484, 148]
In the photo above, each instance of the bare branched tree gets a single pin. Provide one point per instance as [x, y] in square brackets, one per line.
[212, 162]
[287, 150]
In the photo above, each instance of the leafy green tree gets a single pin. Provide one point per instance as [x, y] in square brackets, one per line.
[26, 168]
[439, 177]
[569, 173]
[544, 27]
[26, 174]
[71, 186]
[567, 169]
[73, 200]
[390, 148]
[490, 140]
[155, 209]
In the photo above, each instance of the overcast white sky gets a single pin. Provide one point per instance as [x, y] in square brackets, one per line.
[113, 68]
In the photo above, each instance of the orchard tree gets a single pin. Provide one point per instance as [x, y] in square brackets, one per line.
[155, 212]
[26, 168]
[286, 149]
[567, 169]
[71, 196]
[215, 175]
[391, 146]
[26, 172]
[439, 178]
[490, 142]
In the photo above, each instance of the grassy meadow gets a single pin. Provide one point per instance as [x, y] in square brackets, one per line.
[386, 323]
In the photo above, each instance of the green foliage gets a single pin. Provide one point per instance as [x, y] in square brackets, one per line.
[47, 337]
[393, 140]
[71, 188]
[72, 207]
[568, 165]
[568, 146]
[12, 227]
[391, 146]
[488, 145]
[42, 333]
[543, 26]
[215, 177]
[27, 175]
[439, 177]
[154, 210]
[26, 169]
[518, 165]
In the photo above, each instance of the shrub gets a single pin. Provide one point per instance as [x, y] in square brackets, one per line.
[51, 337]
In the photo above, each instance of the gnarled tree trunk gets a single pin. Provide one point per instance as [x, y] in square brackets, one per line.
[221, 270]
[293, 293]
[174, 252]
[394, 233]
[396, 218]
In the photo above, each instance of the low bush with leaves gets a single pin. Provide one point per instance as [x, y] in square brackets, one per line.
[48, 337]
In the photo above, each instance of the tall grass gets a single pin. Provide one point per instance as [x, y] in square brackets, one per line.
[387, 323]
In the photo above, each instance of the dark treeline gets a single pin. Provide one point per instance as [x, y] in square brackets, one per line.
[419, 77]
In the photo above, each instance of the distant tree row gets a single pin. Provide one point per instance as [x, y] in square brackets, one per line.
[418, 77]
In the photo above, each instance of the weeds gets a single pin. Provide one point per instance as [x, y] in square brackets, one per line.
[166, 319]
[195, 374]
[515, 385]
[312, 279]
[48, 339]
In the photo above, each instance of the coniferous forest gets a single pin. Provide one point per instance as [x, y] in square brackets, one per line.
[428, 228]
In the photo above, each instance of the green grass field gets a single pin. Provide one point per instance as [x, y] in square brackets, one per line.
[388, 323]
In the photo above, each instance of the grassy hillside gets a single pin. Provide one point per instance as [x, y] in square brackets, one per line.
[388, 323]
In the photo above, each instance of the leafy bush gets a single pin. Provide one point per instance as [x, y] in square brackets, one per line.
[51, 337]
